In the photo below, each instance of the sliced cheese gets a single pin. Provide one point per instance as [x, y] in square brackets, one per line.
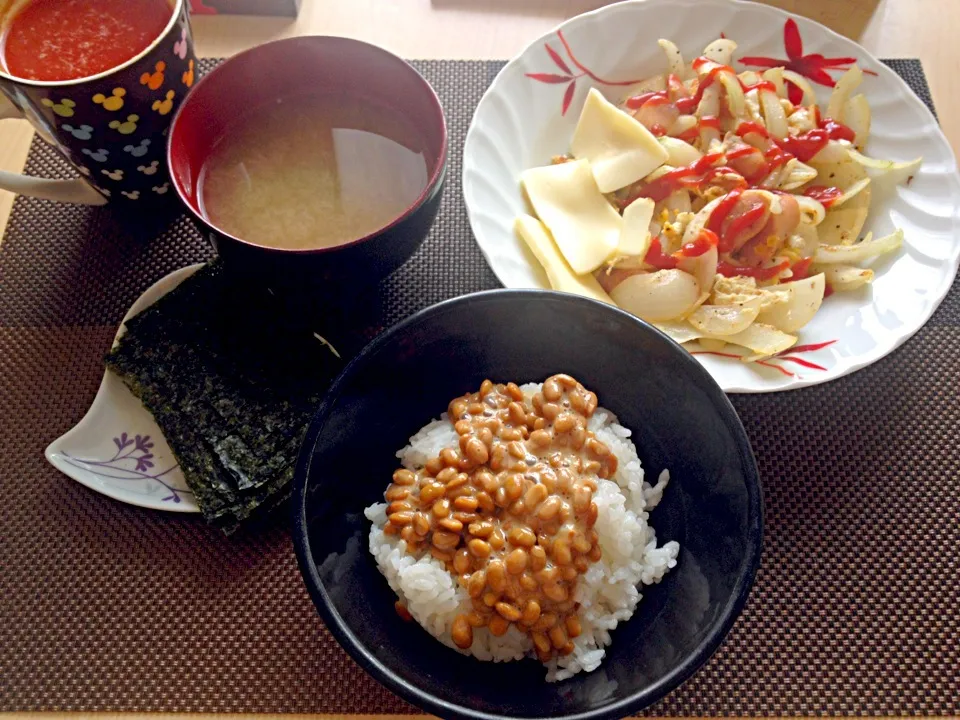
[619, 148]
[535, 234]
[635, 235]
[585, 226]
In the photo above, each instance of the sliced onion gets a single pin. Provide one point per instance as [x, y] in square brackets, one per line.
[658, 296]
[845, 218]
[675, 63]
[847, 83]
[709, 104]
[856, 116]
[658, 173]
[798, 308]
[679, 153]
[735, 99]
[682, 124]
[843, 225]
[764, 340]
[796, 174]
[738, 291]
[712, 344]
[805, 239]
[809, 94]
[775, 75]
[851, 192]
[706, 67]
[892, 171]
[834, 151]
[722, 320]
[773, 113]
[811, 211]
[845, 277]
[864, 250]
[801, 119]
[720, 51]
[679, 331]
[843, 175]
[752, 99]
[699, 222]
[678, 202]
[703, 268]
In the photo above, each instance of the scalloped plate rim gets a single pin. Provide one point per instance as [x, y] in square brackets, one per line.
[891, 341]
[109, 384]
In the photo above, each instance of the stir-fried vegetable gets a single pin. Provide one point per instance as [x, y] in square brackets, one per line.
[867, 248]
[739, 211]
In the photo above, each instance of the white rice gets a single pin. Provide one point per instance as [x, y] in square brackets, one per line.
[608, 592]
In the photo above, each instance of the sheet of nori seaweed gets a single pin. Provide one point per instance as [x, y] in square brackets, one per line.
[232, 381]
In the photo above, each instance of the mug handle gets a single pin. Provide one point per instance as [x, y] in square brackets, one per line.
[71, 191]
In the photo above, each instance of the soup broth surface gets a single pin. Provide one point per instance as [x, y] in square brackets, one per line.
[313, 171]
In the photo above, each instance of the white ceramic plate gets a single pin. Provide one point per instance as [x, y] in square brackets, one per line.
[521, 123]
[117, 448]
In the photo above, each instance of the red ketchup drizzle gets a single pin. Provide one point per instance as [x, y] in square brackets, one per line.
[803, 146]
[689, 104]
[741, 223]
[728, 270]
[661, 97]
[693, 133]
[660, 188]
[656, 257]
[775, 158]
[710, 121]
[703, 242]
[720, 213]
[762, 85]
[745, 128]
[741, 151]
[836, 131]
[801, 268]
[638, 101]
[826, 196]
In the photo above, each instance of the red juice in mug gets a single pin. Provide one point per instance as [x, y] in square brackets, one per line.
[51, 40]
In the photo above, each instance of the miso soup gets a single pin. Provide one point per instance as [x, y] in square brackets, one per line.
[313, 171]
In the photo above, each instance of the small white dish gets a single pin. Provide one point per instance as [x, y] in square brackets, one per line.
[117, 448]
[529, 113]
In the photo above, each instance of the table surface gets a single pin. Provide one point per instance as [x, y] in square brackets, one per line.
[498, 29]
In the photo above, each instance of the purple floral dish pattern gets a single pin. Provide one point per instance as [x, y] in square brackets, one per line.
[132, 461]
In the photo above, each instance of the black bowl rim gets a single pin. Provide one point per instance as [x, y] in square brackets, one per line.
[642, 698]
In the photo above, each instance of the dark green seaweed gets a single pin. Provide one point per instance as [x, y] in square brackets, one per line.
[232, 382]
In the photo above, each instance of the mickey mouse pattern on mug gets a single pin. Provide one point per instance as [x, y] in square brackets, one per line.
[114, 129]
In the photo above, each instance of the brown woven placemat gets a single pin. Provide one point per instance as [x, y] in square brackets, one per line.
[104, 606]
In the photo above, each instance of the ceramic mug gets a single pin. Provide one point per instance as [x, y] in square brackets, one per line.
[112, 126]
